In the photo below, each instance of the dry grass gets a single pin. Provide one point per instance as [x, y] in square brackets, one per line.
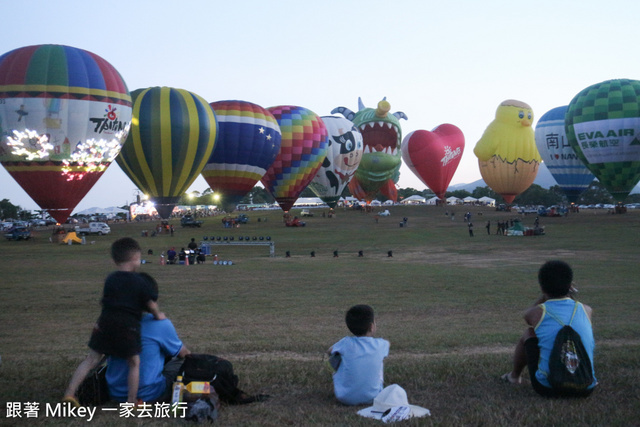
[450, 305]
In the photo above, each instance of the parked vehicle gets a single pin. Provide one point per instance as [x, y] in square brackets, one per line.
[18, 233]
[242, 219]
[190, 221]
[306, 212]
[98, 228]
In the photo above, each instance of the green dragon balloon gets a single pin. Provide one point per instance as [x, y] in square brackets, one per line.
[379, 168]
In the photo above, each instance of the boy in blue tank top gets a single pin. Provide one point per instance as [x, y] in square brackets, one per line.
[533, 349]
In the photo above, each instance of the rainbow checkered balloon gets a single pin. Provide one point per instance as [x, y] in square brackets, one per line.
[302, 151]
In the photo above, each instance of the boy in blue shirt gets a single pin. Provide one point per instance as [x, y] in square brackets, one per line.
[358, 359]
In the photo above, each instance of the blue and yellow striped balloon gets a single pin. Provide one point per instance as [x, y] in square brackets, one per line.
[172, 136]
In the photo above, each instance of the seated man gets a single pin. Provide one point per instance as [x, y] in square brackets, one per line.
[534, 348]
[172, 256]
[201, 258]
[160, 342]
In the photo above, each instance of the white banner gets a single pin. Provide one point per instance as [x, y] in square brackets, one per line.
[612, 140]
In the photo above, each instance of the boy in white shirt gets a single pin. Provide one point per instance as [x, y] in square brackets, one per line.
[358, 359]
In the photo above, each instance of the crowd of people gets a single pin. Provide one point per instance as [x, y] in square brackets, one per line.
[193, 254]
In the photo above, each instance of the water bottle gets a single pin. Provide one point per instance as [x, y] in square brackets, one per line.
[178, 390]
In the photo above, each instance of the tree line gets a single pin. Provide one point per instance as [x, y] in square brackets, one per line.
[534, 195]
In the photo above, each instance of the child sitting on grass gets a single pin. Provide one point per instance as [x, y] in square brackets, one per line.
[358, 360]
[117, 333]
[544, 319]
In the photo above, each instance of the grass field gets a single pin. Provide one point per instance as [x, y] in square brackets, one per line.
[450, 305]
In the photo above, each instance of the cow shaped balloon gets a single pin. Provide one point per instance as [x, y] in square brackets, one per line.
[434, 156]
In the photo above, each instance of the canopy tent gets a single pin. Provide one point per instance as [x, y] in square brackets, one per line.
[308, 201]
[469, 199]
[413, 200]
[453, 200]
[433, 200]
[105, 211]
[488, 201]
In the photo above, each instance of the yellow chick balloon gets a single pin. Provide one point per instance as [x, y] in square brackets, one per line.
[507, 152]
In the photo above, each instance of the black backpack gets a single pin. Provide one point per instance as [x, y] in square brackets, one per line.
[94, 390]
[217, 371]
[569, 364]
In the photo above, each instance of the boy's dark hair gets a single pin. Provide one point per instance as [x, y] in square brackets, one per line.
[123, 249]
[359, 319]
[555, 278]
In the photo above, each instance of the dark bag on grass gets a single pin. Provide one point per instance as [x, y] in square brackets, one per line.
[569, 364]
[94, 390]
[217, 371]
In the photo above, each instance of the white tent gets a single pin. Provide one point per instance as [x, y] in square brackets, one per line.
[469, 199]
[348, 199]
[95, 210]
[433, 200]
[308, 201]
[488, 201]
[454, 201]
[413, 200]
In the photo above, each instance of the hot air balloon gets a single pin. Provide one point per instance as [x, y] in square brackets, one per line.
[302, 151]
[379, 168]
[434, 156]
[343, 157]
[64, 113]
[603, 127]
[507, 153]
[172, 136]
[248, 142]
[562, 161]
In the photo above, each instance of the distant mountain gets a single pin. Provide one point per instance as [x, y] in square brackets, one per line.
[544, 179]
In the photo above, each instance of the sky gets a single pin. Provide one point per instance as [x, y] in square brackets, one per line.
[438, 62]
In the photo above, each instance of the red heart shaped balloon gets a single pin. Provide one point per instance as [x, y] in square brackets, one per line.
[434, 156]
